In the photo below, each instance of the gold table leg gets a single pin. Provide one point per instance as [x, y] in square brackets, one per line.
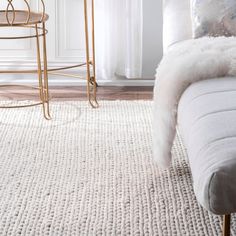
[91, 79]
[43, 74]
[45, 71]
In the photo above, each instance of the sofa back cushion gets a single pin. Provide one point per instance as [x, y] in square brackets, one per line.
[177, 24]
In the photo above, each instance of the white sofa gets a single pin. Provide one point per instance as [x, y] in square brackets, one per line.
[207, 122]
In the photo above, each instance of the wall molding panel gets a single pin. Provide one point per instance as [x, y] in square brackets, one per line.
[65, 40]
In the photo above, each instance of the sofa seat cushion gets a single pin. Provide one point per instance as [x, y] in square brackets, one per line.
[207, 122]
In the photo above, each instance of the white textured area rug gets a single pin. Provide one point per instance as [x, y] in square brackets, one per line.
[90, 172]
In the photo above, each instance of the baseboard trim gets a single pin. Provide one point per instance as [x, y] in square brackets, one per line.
[56, 80]
[67, 81]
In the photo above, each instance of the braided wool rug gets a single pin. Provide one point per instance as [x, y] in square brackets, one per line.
[90, 172]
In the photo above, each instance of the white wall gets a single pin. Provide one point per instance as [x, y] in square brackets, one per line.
[152, 36]
[67, 39]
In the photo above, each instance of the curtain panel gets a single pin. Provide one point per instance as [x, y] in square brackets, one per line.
[119, 38]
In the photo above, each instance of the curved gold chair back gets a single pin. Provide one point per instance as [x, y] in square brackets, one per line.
[11, 10]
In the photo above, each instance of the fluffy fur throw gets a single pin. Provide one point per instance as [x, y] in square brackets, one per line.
[186, 63]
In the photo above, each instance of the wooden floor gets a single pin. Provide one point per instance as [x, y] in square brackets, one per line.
[79, 93]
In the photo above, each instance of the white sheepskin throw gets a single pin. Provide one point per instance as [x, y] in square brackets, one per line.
[186, 63]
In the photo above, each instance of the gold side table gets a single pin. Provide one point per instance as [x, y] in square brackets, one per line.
[90, 61]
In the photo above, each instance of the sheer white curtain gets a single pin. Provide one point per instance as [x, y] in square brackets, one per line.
[118, 38]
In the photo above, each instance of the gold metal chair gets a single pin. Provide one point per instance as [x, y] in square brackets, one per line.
[13, 17]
